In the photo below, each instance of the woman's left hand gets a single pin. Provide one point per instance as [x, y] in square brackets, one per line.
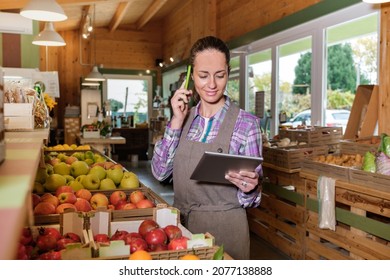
[244, 180]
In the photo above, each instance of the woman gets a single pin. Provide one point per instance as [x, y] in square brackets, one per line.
[215, 124]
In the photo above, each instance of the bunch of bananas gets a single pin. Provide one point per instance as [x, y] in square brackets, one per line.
[50, 102]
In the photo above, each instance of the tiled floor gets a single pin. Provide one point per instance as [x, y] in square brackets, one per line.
[260, 249]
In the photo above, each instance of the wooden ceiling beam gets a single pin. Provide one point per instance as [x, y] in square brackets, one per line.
[150, 12]
[86, 10]
[118, 16]
[18, 4]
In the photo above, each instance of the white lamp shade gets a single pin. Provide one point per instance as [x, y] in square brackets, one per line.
[49, 37]
[95, 75]
[44, 10]
[376, 1]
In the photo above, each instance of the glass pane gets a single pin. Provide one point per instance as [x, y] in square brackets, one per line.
[135, 105]
[259, 79]
[233, 86]
[352, 51]
[294, 80]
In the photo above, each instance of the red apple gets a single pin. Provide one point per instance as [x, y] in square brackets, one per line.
[145, 203]
[119, 235]
[172, 232]
[146, 226]
[138, 244]
[99, 200]
[116, 165]
[156, 236]
[84, 193]
[48, 197]
[44, 208]
[82, 205]
[71, 159]
[178, 243]
[107, 164]
[61, 208]
[117, 196]
[67, 197]
[120, 204]
[136, 196]
[129, 206]
[102, 238]
[110, 207]
[35, 199]
[64, 189]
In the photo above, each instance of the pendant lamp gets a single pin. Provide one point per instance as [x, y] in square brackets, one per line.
[44, 10]
[376, 1]
[49, 37]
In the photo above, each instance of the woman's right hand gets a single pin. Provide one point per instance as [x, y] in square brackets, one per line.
[179, 105]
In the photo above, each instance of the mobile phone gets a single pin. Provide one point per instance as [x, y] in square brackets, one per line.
[188, 76]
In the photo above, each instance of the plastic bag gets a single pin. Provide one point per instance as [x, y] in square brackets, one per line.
[326, 203]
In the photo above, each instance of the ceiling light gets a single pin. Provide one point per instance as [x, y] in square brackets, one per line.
[90, 83]
[376, 1]
[44, 10]
[49, 37]
[95, 75]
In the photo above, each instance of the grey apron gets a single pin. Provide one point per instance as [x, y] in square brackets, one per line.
[207, 207]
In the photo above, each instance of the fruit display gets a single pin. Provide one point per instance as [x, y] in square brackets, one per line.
[45, 244]
[66, 147]
[82, 170]
[84, 200]
[346, 160]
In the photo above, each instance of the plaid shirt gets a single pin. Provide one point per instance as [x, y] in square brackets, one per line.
[246, 140]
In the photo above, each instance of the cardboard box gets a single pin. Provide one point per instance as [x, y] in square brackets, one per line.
[19, 123]
[18, 109]
[91, 133]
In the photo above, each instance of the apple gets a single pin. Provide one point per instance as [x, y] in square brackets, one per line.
[91, 182]
[79, 155]
[44, 208]
[67, 197]
[136, 196]
[107, 184]
[61, 208]
[179, 243]
[129, 206]
[137, 244]
[129, 181]
[110, 207]
[146, 226]
[156, 236]
[173, 231]
[145, 203]
[83, 205]
[41, 175]
[38, 187]
[120, 205]
[35, 199]
[115, 175]
[62, 168]
[49, 169]
[117, 196]
[107, 164]
[78, 168]
[54, 161]
[84, 193]
[54, 181]
[48, 197]
[102, 238]
[89, 154]
[99, 171]
[76, 185]
[70, 159]
[69, 178]
[99, 200]
[63, 189]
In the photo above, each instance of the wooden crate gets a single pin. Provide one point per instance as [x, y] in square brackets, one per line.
[363, 223]
[364, 178]
[318, 168]
[314, 136]
[280, 220]
[359, 146]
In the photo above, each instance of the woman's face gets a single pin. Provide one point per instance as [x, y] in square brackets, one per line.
[210, 75]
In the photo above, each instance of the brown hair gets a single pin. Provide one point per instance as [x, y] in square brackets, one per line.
[210, 43]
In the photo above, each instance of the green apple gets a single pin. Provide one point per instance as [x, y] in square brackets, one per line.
[49, 169]
[115, 174]
[38, 187]
[89, 154]
[89, 161]
[76, 185]
[80, 178]
[91, 182]
[62, 168]
[62, 157]
[69, 179]
[99, 158]
[54, 181]
[98, 170]
[131, 181]
[41, 175]
[78, 168]
[107, 184]
[79, 155]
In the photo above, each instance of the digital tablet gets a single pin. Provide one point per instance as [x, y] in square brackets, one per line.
[212, 167]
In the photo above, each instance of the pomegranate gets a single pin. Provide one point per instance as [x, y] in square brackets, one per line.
[138, 244]
[61, 244]
[46, 243]
[102, 238]
[146, 226]
[156, 236]
[178, 243]
[130, 236]
[119, 235]
[50, 231]
[75, 237]
[52, 255]
[26, 237]
[172, 232]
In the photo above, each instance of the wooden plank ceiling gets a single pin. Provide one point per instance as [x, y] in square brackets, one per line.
[110, 14]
